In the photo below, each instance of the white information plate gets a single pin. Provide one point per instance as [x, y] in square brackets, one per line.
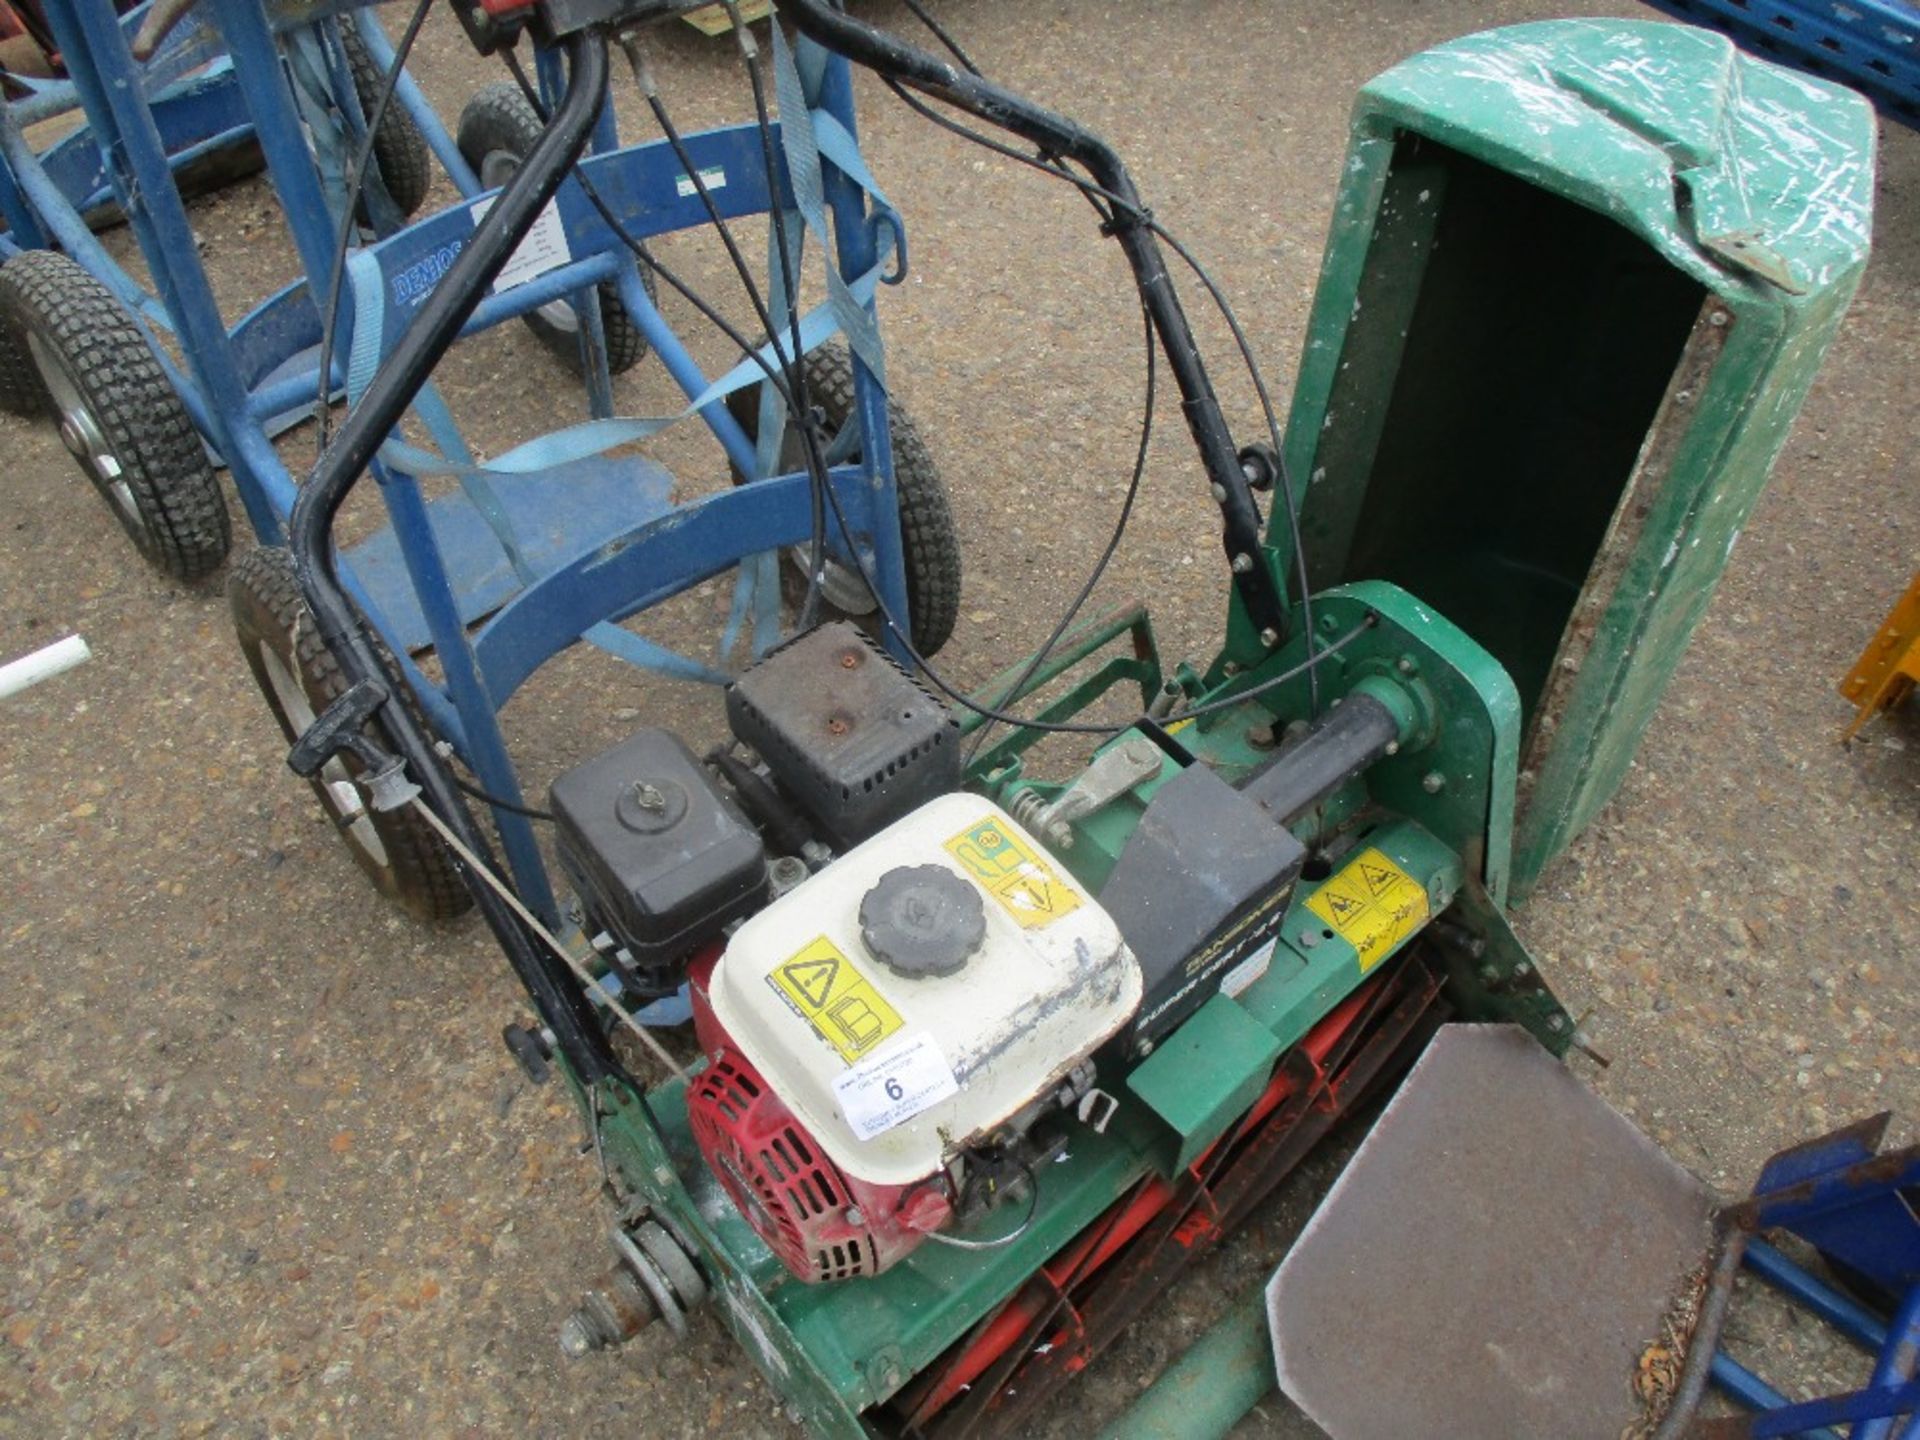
[894, 1084]
[713, 177]
[1248, 970]
[544, 249]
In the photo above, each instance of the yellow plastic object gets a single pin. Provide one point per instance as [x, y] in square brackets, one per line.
[1886, 674]
[714, 20]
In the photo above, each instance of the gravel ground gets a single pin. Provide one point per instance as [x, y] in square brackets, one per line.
[264, 1168]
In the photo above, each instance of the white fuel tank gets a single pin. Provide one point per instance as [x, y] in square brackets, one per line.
[924, 987]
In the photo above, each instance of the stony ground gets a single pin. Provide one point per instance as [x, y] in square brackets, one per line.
[264, 1168]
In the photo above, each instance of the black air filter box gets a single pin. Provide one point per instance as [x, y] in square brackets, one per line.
[658, 855]
[847, 733]
[1201, 887]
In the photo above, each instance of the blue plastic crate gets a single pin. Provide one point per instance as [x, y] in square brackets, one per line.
[1872, 45]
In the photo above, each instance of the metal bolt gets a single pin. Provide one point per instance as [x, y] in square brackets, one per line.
[576, 1343]
[1269, 637]
[1433, 782]
[648, 797]
[1522, 970]
[1556, 1023]
[1220, 494]
[1146, 1047]
[1242, 563]
[1489, 973]
[663, 1175]
[1329, 623]
[1232, 667]
[1309, 939]
[855, 1215]
[1405, 665]
[785, 873]
[1260, 737]
[1393, 747]
[1717, 318]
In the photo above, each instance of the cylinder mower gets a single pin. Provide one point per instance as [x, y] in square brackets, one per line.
[985, 1062]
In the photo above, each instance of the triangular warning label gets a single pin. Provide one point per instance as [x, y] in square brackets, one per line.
[1379, 878]
[812, 979]
[1033, 896]
[1344, 907]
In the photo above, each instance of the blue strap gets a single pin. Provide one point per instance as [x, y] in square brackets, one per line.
[820, 135]
[313, 74]
[307, 71]
[756, 588]
[369, 289]
[850, 314]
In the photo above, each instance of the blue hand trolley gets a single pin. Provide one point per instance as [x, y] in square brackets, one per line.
[488, 570]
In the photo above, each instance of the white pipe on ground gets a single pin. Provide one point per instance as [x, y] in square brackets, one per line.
[42, 664]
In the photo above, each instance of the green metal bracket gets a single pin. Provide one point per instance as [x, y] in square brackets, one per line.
[1205, 1076]
[1141, 667]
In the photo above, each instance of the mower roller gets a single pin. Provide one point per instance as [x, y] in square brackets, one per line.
[981, 1062]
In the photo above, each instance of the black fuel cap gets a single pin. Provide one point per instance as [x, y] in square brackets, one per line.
[922, 920]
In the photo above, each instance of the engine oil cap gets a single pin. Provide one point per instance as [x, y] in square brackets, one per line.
[649, 805]
[921, 920]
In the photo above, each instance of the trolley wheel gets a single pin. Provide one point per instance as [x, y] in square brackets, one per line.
[927, 533]
[497, 128]
[117, 412]
[20, 389]
[399, 149]
[399, 851]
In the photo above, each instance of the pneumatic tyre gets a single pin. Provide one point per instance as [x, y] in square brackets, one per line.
[927, 534]
[21, 392]
[497, 129]
[400, 853]
[399, 149]
[118, 414]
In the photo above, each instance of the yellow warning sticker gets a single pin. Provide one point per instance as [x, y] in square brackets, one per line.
[822, 987]
[1372, 904]
[1023, 883]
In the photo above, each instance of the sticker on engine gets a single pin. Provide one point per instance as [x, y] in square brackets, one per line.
[822, 987]
[894, 1084]
[1024, 884]
[1373, 905]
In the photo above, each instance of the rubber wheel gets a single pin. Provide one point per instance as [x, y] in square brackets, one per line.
[118, 415]
[299, 677]
[399, 149]
[927, 533]
[496, 131]
[20, 389]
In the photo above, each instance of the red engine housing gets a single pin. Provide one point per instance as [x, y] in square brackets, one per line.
[822, 1223]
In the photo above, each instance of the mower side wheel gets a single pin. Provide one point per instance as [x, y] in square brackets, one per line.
[399, 149]
[927, 533]
[497, 129]
[299, 677]
[20, 389]
[118, 415]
